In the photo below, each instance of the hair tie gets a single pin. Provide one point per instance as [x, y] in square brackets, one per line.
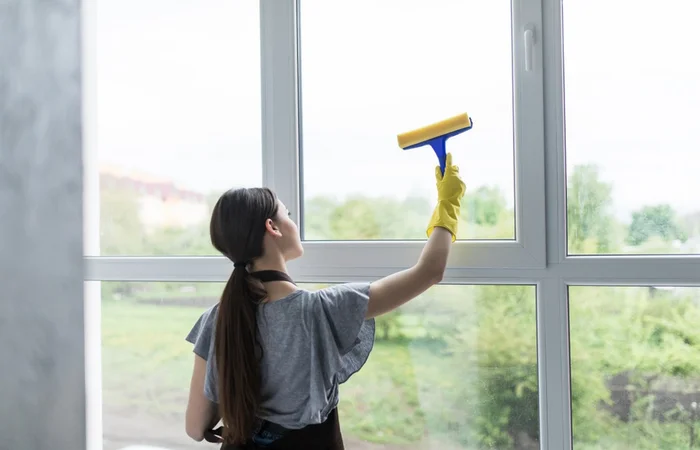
[240, 264]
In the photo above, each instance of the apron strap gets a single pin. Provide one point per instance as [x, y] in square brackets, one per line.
[214, 435]
[271, 275]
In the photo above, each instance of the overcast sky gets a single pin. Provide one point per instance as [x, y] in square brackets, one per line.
[178, 93]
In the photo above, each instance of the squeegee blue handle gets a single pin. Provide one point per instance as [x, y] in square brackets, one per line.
[438, 145]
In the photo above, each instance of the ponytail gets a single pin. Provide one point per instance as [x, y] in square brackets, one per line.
[238, 230]
[238, 354]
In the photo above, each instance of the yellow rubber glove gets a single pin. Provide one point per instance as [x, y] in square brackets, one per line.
[450, 189]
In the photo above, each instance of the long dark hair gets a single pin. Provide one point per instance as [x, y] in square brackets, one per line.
[237, 230]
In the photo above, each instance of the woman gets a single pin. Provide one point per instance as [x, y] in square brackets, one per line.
[269, 357]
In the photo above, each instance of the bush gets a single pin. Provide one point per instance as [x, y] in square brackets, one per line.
[496, 353]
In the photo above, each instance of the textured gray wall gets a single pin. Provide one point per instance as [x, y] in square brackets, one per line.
[42, 392]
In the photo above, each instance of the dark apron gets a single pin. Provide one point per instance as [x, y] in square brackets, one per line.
[324, 436]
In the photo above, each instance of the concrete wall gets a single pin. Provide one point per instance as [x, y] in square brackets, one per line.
[42, 377]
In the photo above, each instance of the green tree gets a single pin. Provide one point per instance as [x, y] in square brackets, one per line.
[176, 241]
[484, 206]
[356, 219]
[588, 207]
[365, 218]
[388, 326]
[643, 336]
[496, 351]
[691, 224]
[405, 219]
[656, 220]
[316, 221]
[485, 215]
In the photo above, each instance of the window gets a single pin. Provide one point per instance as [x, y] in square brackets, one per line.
[632, 101]
[176, 120]
[359, 90]
[295, 136]
[577, 270]
[634, 367]
[481, 369]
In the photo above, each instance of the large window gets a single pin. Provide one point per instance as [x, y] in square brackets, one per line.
[565, 318]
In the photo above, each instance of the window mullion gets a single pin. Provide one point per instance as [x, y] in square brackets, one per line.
[528, 119]
[280, 129]
[554, 129]
[553, 365]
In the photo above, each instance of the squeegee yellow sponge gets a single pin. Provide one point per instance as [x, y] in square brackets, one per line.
[434, 130]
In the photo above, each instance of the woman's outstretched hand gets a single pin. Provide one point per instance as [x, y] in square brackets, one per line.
[451, 189]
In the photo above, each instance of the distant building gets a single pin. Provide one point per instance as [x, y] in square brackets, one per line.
[162, 203]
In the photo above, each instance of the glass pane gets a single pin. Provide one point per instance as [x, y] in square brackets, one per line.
[634, 367]
[372, 70]
[454, 369]
[632, 104]
[146, 362]
[178, 119]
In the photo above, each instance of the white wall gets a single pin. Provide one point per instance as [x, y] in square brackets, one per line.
[42, 377]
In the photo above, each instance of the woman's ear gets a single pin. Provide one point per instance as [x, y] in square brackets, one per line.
[272, 228]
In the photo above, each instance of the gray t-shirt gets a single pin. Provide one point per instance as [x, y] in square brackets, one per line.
[312, 342]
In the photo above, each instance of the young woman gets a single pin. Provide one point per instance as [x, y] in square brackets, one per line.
[269, 357]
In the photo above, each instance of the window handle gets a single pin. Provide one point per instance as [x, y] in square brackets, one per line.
[529, 42]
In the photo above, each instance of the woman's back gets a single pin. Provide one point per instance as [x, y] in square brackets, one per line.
[312, 342]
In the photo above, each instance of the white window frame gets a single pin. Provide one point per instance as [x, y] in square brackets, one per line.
[535, 258]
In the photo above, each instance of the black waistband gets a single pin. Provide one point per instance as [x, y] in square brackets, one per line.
[263, 425]
[325, 435]
[266, 425]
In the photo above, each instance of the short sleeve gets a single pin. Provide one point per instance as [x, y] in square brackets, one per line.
[201, 336]
[341, 337]
[202, 332]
